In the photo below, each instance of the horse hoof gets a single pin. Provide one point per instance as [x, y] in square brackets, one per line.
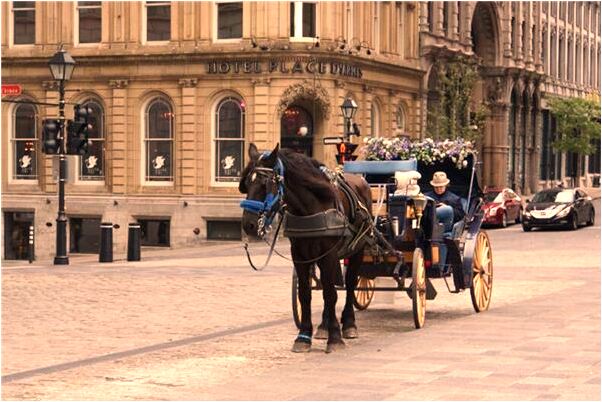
[301, 347]
[350, 333]
[321, 333]
[333, 346]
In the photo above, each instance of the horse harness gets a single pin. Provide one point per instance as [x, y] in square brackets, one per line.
[353, 231]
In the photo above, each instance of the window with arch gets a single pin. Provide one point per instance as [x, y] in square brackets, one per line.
[24, 143]
[92, 165]
[158, 141]
[375, 120]
[400, 119]
[229, 140]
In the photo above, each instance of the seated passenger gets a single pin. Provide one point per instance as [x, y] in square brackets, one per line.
[449, 205]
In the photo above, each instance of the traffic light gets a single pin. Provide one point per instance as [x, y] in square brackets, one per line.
[345, 152]
[51, 143]
[78, 131]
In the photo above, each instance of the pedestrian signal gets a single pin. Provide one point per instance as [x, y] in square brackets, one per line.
[345, 152]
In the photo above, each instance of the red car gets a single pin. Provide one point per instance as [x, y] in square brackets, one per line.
[501, 207]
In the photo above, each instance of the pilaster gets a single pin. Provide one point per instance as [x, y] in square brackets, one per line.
[117, 140]
[186, 137]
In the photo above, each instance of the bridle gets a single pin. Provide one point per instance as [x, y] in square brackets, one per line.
[273, 204]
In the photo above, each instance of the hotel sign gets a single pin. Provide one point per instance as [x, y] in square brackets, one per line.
[284, 66]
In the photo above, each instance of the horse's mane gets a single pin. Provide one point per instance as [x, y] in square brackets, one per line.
[303, 171]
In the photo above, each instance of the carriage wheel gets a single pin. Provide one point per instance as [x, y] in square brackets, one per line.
[482, 273]
[418, 288]
[363, 298]
[313, 282]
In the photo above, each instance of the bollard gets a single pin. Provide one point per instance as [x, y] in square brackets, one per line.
[134, 242]
[106, 242]
[31, 245]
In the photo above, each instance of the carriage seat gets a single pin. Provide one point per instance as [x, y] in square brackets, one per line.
[407, 182]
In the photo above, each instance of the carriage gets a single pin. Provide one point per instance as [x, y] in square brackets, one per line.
[424, 251]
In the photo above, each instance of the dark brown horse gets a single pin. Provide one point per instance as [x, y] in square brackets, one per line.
[289, 180]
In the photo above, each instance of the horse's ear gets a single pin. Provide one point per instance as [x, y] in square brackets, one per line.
[253, 152]
[271, 159]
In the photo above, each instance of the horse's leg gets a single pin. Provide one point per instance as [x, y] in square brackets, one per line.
[328, 266]
[348, 316]
[303, 340]
[322, 331]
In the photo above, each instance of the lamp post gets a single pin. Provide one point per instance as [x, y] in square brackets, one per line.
[61, 67]
[348, 108]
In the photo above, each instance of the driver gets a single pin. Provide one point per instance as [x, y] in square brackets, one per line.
[449, 206]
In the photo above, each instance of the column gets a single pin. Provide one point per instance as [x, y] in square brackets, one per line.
[528, 49]
[438, 18]
[538, 51]
[423, 19]
[506, 29]
[116, 172]
[453, 21]
[518, 40]
[186, 137]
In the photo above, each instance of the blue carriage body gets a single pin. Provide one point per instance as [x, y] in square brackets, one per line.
[431, 237]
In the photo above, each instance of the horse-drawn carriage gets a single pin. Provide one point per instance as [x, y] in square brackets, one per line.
[327, 218]
[409, 223]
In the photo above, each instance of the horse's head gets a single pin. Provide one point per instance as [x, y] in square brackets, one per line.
[262, 181]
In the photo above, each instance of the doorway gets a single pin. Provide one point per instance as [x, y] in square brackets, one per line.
[297, 130]
[16, 234]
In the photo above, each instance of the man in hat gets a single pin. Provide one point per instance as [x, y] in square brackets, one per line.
[449, 206]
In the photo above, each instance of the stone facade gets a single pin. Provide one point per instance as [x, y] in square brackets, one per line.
[379, 53]
[527, 52]
[367, 51]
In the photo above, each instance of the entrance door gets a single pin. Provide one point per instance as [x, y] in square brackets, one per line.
[297, 130]
[16, 234]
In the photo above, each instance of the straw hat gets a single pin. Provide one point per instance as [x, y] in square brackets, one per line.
[439, 179]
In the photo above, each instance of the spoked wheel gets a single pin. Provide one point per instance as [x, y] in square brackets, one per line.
[314, 281]
[482, 273]
[363, 298]
[418, 288]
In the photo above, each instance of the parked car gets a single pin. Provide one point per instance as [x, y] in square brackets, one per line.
[559, 207]
[501, 207]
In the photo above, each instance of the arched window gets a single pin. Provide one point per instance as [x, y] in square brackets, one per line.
[24, 143]
[375, 120]
[229, 140]
[92, 165]
[400, 120]
[158, 141]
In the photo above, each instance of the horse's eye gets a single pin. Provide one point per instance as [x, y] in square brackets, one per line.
[253, 177]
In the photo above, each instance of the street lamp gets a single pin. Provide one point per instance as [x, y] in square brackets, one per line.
[348, 108]
[61, 67]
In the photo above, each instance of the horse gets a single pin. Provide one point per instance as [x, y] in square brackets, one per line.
[285, 179]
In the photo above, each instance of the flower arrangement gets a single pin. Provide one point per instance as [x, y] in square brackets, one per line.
[427, 150]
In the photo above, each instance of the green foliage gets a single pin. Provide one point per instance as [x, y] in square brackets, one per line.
[453, 118]
[577, 124]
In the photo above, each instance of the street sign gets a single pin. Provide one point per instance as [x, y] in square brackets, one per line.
[333, 140]
[11, 89]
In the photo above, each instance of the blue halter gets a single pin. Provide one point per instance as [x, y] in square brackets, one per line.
[269, 207]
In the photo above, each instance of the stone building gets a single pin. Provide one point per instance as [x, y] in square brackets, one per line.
[179, 90]
[527, 52]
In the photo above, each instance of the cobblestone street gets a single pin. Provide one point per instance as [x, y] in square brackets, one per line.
[200, 324]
